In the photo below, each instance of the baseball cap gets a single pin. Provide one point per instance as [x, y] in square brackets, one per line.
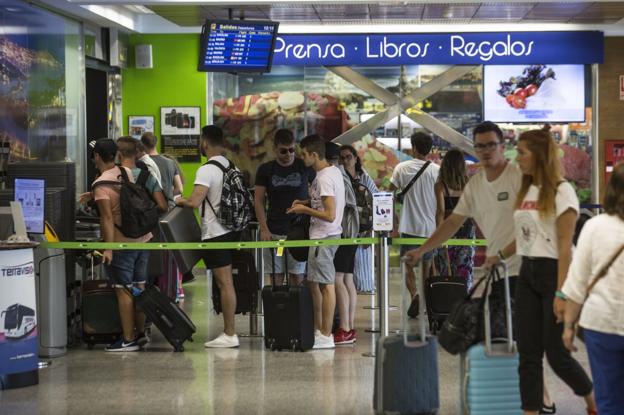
[332, 150]
[105, 147]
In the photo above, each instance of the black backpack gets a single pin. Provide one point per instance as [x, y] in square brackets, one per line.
[139, 213]
[364, 201]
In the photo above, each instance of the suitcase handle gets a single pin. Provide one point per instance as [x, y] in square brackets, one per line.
[286, 281]
[421, 307]
[464, 386]
[486, 314]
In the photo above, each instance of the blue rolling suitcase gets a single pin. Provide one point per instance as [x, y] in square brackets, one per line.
[490, 384]
[406, 370]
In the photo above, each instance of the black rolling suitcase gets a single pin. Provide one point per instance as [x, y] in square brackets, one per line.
[172, 322]
[246, 283]
[441, 293]
[99, 311]
[288, 316]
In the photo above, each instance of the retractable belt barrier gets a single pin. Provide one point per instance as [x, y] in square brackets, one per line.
[156, 246]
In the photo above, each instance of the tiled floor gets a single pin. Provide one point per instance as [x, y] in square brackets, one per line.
[248, 380]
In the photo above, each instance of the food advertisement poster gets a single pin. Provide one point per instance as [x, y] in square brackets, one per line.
[534, 93]
[18, 316]
[180, 129]
[139, 125]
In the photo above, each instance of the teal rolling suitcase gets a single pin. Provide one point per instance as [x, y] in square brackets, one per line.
[490, 383]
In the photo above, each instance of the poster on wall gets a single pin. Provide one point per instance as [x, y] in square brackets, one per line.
[139, 125]
[180, 130]
[534, 93]
[18, 312]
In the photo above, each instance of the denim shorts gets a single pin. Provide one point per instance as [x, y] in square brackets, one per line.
[428, 256]
[128, 267]
[294, 267]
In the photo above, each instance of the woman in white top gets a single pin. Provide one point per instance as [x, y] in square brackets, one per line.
[596, 282]
[546, 211]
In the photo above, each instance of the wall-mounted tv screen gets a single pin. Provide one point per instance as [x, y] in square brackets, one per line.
[237, 46]
[534, 93]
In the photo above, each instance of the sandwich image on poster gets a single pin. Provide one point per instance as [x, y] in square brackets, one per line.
[534, 93]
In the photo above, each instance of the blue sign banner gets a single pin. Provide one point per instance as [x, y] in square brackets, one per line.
[509, 48]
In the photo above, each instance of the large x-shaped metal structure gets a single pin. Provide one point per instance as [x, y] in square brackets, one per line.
[395, 106]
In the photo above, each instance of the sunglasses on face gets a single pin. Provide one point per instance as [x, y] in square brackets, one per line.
[285, 151]
[346, 157]
[487, 146]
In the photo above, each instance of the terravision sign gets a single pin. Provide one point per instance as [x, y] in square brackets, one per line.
[453, 49]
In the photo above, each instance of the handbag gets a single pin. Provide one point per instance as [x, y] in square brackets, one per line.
[299, 230]
[401, 195]
[464, 326]
[603, 271]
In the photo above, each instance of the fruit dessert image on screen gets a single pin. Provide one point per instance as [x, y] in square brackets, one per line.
[19, 321]
[534, 93]
[518, 88]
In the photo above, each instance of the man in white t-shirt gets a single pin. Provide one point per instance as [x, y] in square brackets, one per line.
[326, 207]
[207, 194]
[489, 198]
[419, 202]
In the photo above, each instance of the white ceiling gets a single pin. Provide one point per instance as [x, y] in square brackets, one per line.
[167, 16]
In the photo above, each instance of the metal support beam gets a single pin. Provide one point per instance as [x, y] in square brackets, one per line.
[397, 105]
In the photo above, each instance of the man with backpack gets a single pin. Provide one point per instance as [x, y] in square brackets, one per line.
[128, 200]
[280, 182]
[225, 211]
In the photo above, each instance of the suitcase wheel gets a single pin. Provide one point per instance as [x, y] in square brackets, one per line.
[178, 348]
[271, 344]
[90, 346]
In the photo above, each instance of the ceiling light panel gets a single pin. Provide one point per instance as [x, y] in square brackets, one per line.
[449, 11]
[382, 11]
[503, 11]
[556, 11]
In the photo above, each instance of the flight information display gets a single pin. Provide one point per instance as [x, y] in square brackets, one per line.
[237, 46]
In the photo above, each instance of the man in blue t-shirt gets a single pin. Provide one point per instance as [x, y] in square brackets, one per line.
[280, 182]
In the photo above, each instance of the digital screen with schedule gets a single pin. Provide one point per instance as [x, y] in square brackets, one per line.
[237, 46]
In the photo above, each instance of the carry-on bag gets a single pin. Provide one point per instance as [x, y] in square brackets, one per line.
[246, 283]
[180, 225]
[99, 311]
[441, 294]
[170, 319]
[288, 315]
[406, 368]
[489, 380]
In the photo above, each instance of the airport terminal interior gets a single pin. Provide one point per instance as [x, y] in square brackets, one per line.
[85, 83]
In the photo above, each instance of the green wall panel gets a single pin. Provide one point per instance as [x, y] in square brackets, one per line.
[173, 81]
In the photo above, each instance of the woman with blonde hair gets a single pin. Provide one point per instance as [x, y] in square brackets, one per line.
[596, 283]
[546, 212]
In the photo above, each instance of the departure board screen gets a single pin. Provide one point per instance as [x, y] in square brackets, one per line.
[237, 46]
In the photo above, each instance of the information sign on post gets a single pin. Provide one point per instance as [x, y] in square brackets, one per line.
[383, 211]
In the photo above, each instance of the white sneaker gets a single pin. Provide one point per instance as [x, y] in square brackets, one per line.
[324, 342]
[223, 341]
[317, 333]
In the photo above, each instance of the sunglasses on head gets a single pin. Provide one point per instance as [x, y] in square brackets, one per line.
[285, 151]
